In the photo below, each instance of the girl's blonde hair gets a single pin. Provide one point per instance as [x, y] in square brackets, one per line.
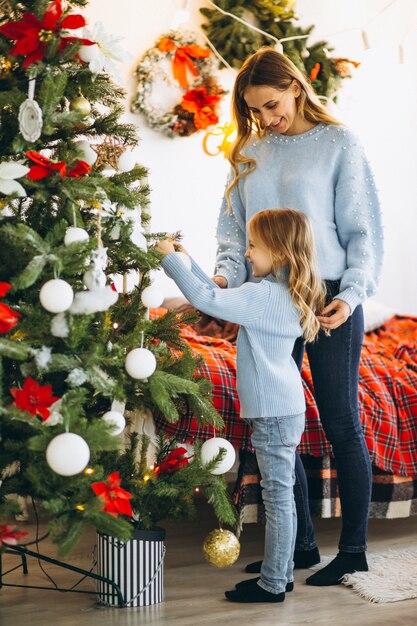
[270, 68]
[288, 235]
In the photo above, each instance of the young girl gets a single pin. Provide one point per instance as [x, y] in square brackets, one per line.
[290, 151]
[272, 314]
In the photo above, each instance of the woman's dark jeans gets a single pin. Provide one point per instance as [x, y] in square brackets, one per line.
[334, 364]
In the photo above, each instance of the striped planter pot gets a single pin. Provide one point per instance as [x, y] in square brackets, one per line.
[136, 566]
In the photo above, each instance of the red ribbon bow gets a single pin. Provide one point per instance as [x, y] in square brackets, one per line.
[183, 58]
[44, 166]
[173, 461]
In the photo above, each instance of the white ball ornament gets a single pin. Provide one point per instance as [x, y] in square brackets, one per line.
[74, 234]
[185, 259]
[116, 420]
[88, 53]
[152, 297]
[86, 151]
[140, 363]
[126, 161]
[56, 295]
[67, 454]
[211, 448]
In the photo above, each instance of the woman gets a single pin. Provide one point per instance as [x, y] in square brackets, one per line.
[290, 152]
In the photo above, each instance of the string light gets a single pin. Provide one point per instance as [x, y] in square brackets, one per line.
[80, 507]
[146, 478]
[89, 470]
[400, 55]
[182, 15]
[365, 40]
[216, 52]
[115, 325]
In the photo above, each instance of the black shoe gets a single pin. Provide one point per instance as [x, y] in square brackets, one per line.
[344, 563]
[306, 558]
[302, 560]
[254, 593]
[252, 581]
[253, 568]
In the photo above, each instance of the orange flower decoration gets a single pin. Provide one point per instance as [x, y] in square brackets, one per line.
[314, 72]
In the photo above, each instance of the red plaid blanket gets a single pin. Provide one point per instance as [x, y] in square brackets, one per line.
[388, 397]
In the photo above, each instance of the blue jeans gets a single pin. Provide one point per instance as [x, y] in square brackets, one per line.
[275, 440]
[334, 363]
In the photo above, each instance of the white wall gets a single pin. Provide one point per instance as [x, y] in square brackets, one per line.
[380, 102]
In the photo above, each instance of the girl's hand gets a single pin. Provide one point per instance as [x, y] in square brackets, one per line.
[340, 312]
[165, 246]
[220, 281]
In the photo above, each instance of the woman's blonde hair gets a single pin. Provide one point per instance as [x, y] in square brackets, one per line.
[270, 68]
[288, 235]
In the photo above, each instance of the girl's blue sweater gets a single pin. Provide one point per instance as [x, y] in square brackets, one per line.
[268, 381]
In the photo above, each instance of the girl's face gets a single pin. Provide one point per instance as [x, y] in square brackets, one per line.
[276, 109]
[259, 256]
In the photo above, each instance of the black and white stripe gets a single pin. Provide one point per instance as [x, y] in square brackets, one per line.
[135, 566]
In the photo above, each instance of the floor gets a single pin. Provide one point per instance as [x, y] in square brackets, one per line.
[194, 589]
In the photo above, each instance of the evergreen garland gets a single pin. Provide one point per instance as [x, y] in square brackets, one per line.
[235, 41]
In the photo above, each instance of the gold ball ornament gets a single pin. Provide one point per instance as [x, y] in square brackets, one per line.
[221, 548]
[81, 105]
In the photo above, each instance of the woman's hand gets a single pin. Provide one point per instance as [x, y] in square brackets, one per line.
[220, 281]
[340, 312]
[165, 246]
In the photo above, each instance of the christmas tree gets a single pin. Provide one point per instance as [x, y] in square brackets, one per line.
[74, 353]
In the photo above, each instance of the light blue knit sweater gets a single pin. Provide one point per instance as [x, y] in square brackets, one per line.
[268, 381]
[325, 174]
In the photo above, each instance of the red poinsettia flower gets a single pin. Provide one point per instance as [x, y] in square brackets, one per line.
[9, 536]
[173, 461]
[8, 317]
[34, 398]
[198, 98]
[32, 35]
[116, 499]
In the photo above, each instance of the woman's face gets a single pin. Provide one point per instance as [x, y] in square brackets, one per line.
[259, 257]
[276, 109]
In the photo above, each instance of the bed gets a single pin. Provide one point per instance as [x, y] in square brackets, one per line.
[388, 399]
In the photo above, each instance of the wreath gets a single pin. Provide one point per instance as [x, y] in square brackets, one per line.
[176, 59]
